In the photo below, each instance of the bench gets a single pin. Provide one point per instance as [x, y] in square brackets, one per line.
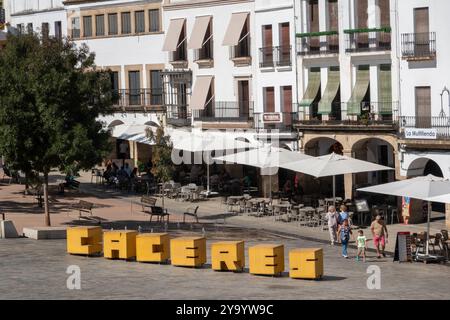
[149, 207]
[83, 206]
[192, 212]
[69, 184]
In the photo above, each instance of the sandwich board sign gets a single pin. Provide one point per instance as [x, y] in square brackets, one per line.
[403, 247]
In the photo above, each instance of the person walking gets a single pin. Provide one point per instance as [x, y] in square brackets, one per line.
[361, 240]
[332, 218]
[344, 232]
[380, 235]
[343, 214]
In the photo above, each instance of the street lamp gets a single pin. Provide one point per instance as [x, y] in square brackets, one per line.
[442, 113]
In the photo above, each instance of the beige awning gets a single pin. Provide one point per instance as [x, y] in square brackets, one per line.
[313, 87]
[359, 91]
[233, 33]
[198, 32]
[331, 90]
[200, 92]
[173, 34]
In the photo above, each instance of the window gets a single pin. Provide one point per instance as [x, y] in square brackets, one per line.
[139, 22]
[333, 15]
[269, 99]
[362, 7]
[100, 25]
[134, 82]
[115, 81]
[313, 15]
[75, 28]
[156, 87]
[112, 24]
[153, 17]
[58, 30]
[423, 107]
[126, 23]
[87, 26]
[45, 29]
[30, 28]
[20, 27]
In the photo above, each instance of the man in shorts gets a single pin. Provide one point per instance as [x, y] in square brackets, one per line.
[380, 234]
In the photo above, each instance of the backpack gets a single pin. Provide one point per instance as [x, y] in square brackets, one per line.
[345, 234]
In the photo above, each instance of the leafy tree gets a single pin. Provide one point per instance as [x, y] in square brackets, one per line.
[50, 97]
[162, 164]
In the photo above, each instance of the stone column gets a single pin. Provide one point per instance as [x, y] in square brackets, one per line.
[348, 180]
[447, 215]
[267, 182]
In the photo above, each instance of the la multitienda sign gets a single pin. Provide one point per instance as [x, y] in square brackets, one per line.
[264, 259]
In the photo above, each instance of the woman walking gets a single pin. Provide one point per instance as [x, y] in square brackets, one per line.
[333, 221]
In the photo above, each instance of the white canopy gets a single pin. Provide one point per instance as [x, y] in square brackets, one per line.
[137, 133]
[428, 188]
[332, 165]
[199, 142]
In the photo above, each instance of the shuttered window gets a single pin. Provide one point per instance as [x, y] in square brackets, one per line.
[87, 26]
[267, 35]
[58, 30]
[421, 20]
[156, 87]
[313, 9]
[134, 83]
[112, 24]
[362, 6]
[115, 81]
[75, 28]
[423, 107]
[45, 29]
[100, 25]
[269, 99]
[126, 22]
[139, 21]
[385, 13]
[153, 16]
[333, 17]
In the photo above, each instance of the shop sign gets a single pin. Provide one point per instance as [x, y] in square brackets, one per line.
[417, 133]
[272, 117]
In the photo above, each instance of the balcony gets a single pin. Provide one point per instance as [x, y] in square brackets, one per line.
[280, 56]
[178, 115]
[418, 46]
[178, 58]
[138, 100]
[204, 57]
[225, 111]
[373, 116]
[441, 125]
[240, 54]
[367, 40]
[320, 43]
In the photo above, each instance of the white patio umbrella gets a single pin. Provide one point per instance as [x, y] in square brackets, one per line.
[207, 142]
[267, 158]
[428, 188]
[332, 165]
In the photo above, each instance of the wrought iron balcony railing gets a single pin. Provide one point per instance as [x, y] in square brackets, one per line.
[135, 99]
[440, 124]
[418, 46]
[317, 44]
[368, 40]
[234, 111]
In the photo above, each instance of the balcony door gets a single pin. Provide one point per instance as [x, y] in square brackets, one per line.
[362, 40]
[423, 107]
[156, 87]
[267, 50]
[313, 12]
[134, 83]
[269, 99]
[421, 31]
[286, 103]
[285, 45]
[244, 98]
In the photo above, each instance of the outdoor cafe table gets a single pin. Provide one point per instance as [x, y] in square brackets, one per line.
[331, 201]
[284, 208]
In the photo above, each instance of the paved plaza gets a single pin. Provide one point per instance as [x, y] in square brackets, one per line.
[33, 269]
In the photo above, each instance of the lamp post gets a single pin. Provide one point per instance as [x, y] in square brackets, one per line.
[445, 90]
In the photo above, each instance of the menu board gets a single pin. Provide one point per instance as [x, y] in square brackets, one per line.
[403, 247]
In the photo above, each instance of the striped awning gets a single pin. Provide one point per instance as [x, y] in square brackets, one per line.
[331, 90]
[385, 90]
[313, 87]
[359, 91]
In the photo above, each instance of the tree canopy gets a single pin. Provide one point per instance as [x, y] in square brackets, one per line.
[51, 95]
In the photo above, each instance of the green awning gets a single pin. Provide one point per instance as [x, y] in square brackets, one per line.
[359, 91]
[313, 87]
[331, 90]
[385, 90]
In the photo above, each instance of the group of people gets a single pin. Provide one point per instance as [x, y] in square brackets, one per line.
[340, 230]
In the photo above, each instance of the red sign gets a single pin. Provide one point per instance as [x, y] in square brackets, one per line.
[272, 117]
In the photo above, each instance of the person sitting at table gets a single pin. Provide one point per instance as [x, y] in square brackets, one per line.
[247, 181]
[122, 173]
[127, 169]
[134, 173]
[115, 169]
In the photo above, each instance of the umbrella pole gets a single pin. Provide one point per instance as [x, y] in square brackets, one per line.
[334, 190]
[270, 186]
[428, 228]
[207, 178]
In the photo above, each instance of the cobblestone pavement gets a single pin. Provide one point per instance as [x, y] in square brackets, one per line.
[31, 269]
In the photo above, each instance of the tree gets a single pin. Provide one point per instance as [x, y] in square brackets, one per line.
[51, 96]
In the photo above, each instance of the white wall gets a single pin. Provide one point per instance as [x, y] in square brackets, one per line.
[38, 18]
[434, 74]
[224, 71]
[272, 12]
[21, 6]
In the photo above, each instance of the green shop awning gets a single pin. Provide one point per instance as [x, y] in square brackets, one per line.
[313, 87]
[359, 91]
[331, 90]
[385, 90]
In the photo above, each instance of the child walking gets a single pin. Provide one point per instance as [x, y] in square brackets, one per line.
[361, 240]
[344, 232]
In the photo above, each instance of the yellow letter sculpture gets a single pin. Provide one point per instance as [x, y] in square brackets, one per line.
[188, 251]
[119, 244]
[228, 256]
[152, 247]
[84, 240]
[266, 259]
